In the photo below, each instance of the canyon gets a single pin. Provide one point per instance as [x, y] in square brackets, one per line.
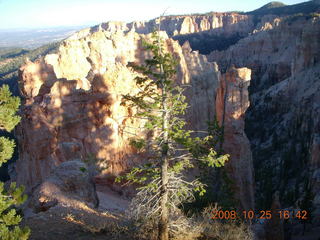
[283, 94]
[73, 106]
[259, 75]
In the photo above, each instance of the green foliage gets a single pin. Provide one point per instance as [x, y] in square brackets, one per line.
[141, 175]
[9, 219]
[138, 143]
[8, 107]
[6, 149]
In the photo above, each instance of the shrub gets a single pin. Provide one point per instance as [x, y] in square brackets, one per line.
[9, 219]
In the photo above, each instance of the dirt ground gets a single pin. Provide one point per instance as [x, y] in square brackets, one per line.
[81, 222]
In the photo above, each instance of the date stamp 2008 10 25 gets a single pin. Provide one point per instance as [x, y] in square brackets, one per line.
[262, 214]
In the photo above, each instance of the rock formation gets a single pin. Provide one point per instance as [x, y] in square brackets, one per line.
[282, 121]
[68, 184]
[231, 104]
[289, 46]
[290, 137]
[72, 105]
[219, 23]
[72, 102]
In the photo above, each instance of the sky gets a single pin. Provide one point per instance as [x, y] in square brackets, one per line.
[53, 13]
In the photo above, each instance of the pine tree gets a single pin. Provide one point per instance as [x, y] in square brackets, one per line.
[9, 219]
[161, 104]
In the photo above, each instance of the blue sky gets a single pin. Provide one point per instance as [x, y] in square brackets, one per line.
[49, 13]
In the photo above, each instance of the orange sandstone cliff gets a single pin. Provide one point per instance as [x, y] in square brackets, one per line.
[72, 101]
[72, 105]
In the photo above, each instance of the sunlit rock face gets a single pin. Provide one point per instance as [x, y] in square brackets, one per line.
[219, 23]
[231, 104]
[72, 101]
[280, 48]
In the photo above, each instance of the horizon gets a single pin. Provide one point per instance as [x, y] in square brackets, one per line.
[25, 15]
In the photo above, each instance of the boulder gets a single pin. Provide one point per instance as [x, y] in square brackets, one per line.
[69, 184]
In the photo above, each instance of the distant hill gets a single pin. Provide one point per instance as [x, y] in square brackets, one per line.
[6, 53]
[273, 5]
[12, 58]
[279, 8]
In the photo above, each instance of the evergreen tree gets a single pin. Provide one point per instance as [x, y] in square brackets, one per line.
[161, 104]
[9, 219]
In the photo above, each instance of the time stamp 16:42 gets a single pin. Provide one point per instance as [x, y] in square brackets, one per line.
[263, 214]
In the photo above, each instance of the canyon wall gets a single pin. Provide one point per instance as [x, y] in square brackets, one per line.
[275, 51]
[231, 104]
[205, 32]
[282, 122]
[287, 147]
[73, 106]
[72, 101]
[219, 23]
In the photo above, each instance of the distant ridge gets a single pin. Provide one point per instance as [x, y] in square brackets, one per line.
[279, 8]
[274, 4]
[316, 1]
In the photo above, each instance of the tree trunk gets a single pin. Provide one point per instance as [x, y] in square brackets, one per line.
[164, 217]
